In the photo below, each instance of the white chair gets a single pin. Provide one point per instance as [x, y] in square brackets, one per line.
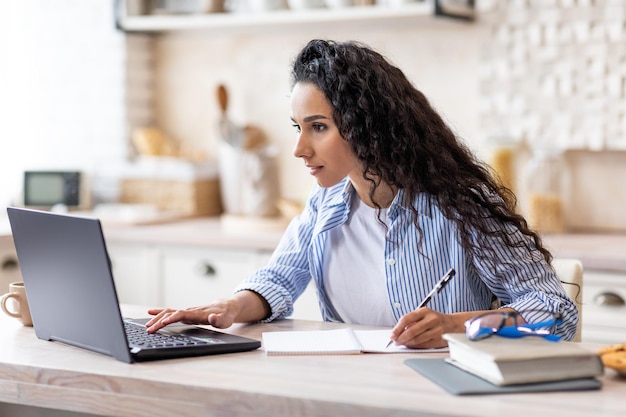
[570, 272]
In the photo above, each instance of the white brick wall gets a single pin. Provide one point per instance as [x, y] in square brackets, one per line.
[555, 71]
[566, 61]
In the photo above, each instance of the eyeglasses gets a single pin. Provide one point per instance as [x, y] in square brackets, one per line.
[512, 324]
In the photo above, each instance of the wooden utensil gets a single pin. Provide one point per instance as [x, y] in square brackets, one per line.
[227, 129]
[222, 98]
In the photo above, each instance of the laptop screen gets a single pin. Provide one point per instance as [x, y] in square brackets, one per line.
[68, 280]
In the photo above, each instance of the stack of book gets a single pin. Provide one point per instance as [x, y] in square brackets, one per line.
[505, 361]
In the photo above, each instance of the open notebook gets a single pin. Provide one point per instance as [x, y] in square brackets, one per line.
[345, 341]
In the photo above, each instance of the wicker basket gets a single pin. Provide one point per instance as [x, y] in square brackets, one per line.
[192, 198]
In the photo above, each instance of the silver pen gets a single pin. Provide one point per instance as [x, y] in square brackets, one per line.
[436, 289]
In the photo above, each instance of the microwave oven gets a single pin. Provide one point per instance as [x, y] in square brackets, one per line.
[45, 189]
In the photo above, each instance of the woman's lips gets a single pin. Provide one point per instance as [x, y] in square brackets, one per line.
[314, 170]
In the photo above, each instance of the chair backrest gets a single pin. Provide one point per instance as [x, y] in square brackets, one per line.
[570, 272]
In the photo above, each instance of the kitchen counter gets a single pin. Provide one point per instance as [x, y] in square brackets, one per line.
[596, 251]
[204, 231]
[225, 232]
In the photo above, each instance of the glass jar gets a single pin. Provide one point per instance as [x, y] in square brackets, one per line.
[501, 156]
[546, 180]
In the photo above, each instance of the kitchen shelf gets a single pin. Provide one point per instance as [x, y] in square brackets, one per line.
[365, 15]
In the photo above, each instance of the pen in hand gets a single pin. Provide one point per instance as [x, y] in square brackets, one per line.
[438, 287]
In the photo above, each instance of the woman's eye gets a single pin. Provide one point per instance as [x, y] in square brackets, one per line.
[315, 127]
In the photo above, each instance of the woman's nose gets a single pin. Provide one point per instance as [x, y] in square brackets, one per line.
[301, 150]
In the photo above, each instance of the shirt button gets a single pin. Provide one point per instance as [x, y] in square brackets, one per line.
[391, 261]
[397, 305]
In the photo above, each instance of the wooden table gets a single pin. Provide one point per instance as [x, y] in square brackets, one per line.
[36, 373]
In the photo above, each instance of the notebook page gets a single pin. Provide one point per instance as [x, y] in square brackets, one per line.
[375, 341]
[311, 342]
[334, 342]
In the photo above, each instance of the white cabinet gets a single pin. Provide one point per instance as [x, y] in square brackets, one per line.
[136, 273]
[604, 312]
[9, 267]
[197, 276]
[180, 276]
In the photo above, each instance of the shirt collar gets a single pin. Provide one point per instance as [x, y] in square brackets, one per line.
[423, 203]
[344, 191]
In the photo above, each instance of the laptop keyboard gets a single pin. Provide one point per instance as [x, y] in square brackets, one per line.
[138, 337]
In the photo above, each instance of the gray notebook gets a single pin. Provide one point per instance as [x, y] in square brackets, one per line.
[459, 382]
[71, 293]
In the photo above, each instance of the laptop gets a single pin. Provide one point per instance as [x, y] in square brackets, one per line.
[71, 293]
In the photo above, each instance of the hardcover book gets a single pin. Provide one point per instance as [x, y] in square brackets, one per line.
[506, 361]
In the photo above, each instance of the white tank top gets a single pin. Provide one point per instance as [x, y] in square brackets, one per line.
[354, 268]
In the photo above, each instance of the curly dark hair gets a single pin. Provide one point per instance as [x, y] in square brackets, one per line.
[402, 141]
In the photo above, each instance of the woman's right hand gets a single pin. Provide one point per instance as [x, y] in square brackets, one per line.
[244, 306]
[221, 314]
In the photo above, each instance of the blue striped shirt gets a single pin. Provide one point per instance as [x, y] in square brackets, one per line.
[522, 280]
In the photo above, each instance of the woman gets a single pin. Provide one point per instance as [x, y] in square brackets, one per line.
[399, 201]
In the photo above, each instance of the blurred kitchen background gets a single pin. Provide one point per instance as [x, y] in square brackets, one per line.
[92, 85]
[174, 117]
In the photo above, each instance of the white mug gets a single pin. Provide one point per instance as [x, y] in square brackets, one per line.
[17, 293]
